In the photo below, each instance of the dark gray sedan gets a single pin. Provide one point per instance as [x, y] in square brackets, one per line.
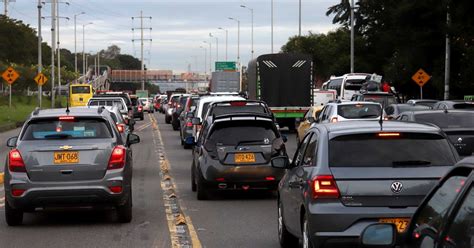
[66, 159]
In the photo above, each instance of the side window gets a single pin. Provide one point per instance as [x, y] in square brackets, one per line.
[390, 110]
[301, 150]
[461, 232]
[431, 215]
[310, 153]
[404, 118]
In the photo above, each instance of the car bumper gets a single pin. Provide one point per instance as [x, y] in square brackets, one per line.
[334, 225]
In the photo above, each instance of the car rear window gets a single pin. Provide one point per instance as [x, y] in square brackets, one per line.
[405, 150]
[232, 132]
[359, 111]
[448, 120]
[80, 90]
[382, 99]
[220, 110]
[79, 128]
[354, 84]
[109, 103]
[463, 106]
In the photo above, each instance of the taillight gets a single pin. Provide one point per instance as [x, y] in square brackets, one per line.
[198, 127]
[17, 192]
[121, 128]
[140, 108]
[270, 178]
[189, 124]
[325, 187]
[117, 158]
[179, 106]
[115, 189]
[334, 120]
[15, 162]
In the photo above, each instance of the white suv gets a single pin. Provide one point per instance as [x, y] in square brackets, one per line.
[350, 111]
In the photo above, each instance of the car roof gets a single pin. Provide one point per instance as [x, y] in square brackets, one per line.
[74, 111]
[466, 162]
[354, 127]
[354, 103]
[440, 111]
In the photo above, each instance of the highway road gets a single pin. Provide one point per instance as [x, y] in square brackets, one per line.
[231, 220]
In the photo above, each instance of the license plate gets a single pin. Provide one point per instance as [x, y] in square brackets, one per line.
[400, 223]
[66, 157]
[244, 158]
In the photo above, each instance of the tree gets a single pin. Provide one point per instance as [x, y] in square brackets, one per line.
[111, 52]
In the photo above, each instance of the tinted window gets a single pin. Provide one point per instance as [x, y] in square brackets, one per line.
[80, 128]
[354, 84]
[448, 120]
[404, 108]
[231, 133]
[81, 89]
[205, 106]
[109, 103]
[463, 106]
[435, 209]
[310, 152]
[359, 111]
[220, 110]
[370, 150]
[301, 150]
[461, 232]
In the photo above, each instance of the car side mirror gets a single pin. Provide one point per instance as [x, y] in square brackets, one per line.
[280, 162]
[11, 142]
[196, 121]
[381, 235]
[133, 139]
[190, 115]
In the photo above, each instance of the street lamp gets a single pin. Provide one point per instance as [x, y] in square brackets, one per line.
[205, 60]
[210, 56]
[83, 49]
[272, 21]
[217, 46]
[75, 41]
[238, 37]
[226, 39]
[251, 13]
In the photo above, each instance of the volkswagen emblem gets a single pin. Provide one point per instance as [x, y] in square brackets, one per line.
[459, 140]
[396, 187]
[266, 141]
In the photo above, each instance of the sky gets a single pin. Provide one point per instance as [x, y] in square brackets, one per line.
[179, 27]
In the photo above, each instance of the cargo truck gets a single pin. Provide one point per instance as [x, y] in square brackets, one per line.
[285, 82]
[225, 81]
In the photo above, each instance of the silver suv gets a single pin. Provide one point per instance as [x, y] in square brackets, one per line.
[68, 158]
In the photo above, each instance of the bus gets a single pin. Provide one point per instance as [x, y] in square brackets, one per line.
[349, 84]
[79, 94]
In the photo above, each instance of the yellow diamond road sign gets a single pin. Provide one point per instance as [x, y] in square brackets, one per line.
[41, 79]
[10, 75]
[421, 77]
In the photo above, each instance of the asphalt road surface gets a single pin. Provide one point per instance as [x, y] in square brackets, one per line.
[230, 220]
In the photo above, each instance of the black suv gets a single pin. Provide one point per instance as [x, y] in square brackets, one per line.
[234, 153]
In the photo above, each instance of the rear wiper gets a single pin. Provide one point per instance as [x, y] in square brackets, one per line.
[410, 162]
[57, 136]
[247, 142]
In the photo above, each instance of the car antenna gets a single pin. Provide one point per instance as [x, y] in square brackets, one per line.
[381, 117]
[67, 102]
[445, 109]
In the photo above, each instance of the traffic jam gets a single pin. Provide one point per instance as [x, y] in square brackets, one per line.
[348, 165]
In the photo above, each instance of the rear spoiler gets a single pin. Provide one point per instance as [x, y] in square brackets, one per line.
[242, 116]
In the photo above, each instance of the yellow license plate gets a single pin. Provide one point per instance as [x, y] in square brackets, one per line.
[400, 223]
[244, 158]
[66, 157]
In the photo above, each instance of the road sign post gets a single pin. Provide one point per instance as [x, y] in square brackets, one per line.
[421, 78]
[40, 80]
[10, 75]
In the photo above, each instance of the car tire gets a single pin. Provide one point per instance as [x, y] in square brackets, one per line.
[193, 179]
[124, 212]
[306, 242]
[167, 119]
[175, 127]
[186, 146]
[142, 118]
[284, 236]
[13, 217]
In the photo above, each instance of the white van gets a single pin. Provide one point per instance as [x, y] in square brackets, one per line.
[349, 84]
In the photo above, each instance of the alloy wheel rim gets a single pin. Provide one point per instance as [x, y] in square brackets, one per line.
[305, 235]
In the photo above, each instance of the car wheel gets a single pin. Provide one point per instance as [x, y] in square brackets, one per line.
[167, 119]
[284, 236]
[202, 194]
[175, 127]
[142, 117]
[186, 146]
[14, 217]
[306, 242]
[193, 179]
[124, 212]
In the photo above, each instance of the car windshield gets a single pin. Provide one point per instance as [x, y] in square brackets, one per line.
[448, 120]
[391, 150]
[79, 128]
[80, 89]
[233, 132]
[359, 111]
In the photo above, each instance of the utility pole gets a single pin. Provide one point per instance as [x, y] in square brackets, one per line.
[299, 26]
[352, 36]
[40, 59]
[5, 5]
[75, 41]
[205, 60]
[226, 39]
[210, 56]
[53, 49]
[84, 51]
[251, 14]
[59, 49]
[141, 17]
[447, 63]
[238, 38]
[217, 46]
[272, 23]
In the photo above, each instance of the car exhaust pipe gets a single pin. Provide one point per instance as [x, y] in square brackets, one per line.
[222, 185]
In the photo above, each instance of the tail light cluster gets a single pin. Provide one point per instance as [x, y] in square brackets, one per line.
[189, 124]
[117, 158]
[15, 161]
[140, 108]
[324, 186]
[121, 128]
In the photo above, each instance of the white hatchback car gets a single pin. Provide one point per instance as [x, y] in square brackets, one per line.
[350, 111]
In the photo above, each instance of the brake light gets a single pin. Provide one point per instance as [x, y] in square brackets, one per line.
[66, 118]
[15, 161]
[325, 187]
[270, 178]
[17, 192]
[388, 134]
[117, 158]
[334, 120]
[115, 189]
[189, 124]
[140, 108]
[121, 128]
[220, 179]
[238, 104]
[179, 106]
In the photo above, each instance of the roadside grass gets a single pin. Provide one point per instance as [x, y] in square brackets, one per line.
[22, 106]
